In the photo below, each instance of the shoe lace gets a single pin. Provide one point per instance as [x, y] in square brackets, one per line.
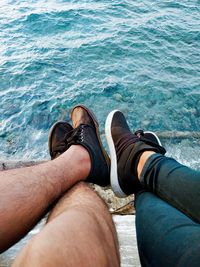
[76, 136]
[70, 138]
[140, 134]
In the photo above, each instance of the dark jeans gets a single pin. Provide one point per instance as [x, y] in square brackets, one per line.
[168, 214]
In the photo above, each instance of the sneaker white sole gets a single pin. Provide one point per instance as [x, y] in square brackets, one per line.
[113, 157]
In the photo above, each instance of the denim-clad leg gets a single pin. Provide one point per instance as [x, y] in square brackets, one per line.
[165, 235]
[174, 183]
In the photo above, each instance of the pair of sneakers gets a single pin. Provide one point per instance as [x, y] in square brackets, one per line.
[120, 170]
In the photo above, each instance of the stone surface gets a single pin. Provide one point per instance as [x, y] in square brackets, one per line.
[126, 235]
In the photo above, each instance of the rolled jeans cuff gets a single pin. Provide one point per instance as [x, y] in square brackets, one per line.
[147, 164]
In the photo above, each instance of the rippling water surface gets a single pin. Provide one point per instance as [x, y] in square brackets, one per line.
[138, 56]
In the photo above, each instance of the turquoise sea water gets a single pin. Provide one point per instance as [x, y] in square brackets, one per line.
[142, 57]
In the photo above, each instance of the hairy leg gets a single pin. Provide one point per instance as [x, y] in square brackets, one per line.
[26, 193]
[79, 232]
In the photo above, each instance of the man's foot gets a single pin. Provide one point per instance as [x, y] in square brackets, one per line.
[125, 151]
[86, 134]
[58, 135]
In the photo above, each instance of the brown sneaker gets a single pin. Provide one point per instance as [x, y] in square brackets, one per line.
[58, 135]
[125, 150]
[86, 134]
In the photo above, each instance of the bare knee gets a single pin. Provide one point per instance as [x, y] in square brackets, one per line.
[74, 238]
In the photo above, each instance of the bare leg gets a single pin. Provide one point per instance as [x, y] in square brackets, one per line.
[79, 232]
[25, 194]
[144, 157]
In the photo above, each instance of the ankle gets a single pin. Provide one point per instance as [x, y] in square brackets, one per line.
[76, 163]
[82, 161]
[144, 157]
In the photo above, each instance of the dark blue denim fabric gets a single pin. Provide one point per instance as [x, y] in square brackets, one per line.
[166, 237]
[168, 214]
[174, 183]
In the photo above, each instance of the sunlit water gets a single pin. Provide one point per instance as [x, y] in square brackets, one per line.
[138, 56]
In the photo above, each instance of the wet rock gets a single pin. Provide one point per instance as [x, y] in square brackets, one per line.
[118, 97]
[116, 205]
[145, 123]
[193, 111]
[168, 95]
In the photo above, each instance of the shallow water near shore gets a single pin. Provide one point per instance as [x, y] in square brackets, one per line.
[139, 57]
